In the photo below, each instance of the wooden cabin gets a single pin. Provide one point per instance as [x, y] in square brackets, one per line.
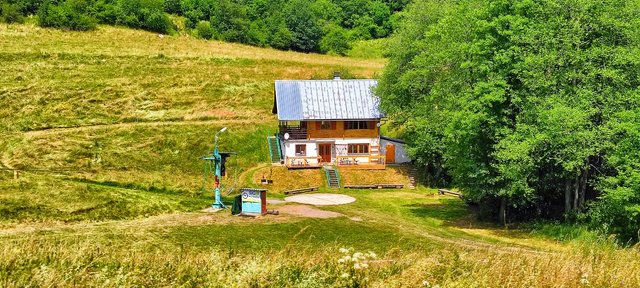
[329, 122]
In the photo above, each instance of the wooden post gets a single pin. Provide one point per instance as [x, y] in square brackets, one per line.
[15, 174]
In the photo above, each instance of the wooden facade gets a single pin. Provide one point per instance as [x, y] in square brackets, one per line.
[336, 129]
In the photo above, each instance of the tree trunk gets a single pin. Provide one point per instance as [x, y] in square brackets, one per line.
[567, 197]
[503, 211]
[576, 192]
[583, 187]
[436, 175]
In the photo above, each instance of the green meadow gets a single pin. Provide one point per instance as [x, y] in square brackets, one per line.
[106, 128]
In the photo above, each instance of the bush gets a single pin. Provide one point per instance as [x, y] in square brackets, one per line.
[257, 35]
[336, 41]
[65, 16]
[10, 13]
[281, 39]
[204, 30]
[158, 22]
[305, 32]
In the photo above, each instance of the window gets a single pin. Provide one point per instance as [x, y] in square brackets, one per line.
[358, 149]
[301, 150]
[357, 125]
[325, 125]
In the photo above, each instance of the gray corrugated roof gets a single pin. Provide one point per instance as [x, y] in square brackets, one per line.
[326, 100]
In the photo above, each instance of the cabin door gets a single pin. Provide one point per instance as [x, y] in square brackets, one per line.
[324, 151]
[390, 154]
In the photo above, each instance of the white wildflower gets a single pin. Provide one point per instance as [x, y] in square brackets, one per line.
[364, 265]
[343, 250]
[357, 255]
[371, 254]
[425, 283]
[356, 266]
[584, 279]
[345, 275]
[341, 260]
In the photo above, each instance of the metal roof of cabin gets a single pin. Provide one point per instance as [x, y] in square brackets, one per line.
[326, 100]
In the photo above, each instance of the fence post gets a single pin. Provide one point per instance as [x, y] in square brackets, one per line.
[15, 174]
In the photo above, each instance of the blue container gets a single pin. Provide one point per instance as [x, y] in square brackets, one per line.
[254, 201]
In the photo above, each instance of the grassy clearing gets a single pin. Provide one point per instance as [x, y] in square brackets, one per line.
[52, 78]
[34, 199]
[220, 250]
[284, 179]
[368, 49]
[118, 204]
[391, 175]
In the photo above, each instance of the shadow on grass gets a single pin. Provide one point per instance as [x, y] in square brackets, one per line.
[455, 213]
[307, 234]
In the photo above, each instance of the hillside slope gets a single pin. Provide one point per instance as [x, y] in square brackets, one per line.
[108, 126]
[130, 106]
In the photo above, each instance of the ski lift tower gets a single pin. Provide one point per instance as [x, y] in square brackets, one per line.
[215, 166]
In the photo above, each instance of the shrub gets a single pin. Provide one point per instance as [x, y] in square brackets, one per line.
[281, 39]
[65, 16]
[204, 30]
[257, 35]
[172, 6]
[306, 33]
[336, 41]
[10, 13]
[158, 22]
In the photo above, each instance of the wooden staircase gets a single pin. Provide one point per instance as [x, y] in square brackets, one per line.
[413, 178]
[333, 178]
[274, 149]
[374, 150]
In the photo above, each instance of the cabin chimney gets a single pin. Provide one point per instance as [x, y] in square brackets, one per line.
[336, 75]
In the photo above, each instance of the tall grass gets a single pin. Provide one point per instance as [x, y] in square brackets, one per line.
[34, 262]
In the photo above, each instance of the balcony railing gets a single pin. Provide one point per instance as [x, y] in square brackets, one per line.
[295, 132]
[303, 161]
[361, 161]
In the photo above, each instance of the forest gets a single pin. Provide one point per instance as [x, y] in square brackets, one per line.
[326, 26]
[532, 108]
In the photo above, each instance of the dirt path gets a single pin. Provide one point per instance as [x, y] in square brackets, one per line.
[308, 211]
[140, 225]
[222, 218]
[61, 130]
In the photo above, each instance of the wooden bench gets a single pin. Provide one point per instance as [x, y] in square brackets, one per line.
[445, 191]
[375, 186]
[301, 190]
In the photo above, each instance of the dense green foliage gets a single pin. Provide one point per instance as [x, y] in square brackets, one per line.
[531, 107]
[327, 26]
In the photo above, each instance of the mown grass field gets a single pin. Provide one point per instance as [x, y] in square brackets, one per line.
[107, 127]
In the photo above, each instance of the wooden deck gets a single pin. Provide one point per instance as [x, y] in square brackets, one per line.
[364, 166]
[342, 162]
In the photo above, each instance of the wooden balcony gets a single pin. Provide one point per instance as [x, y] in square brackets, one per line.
[301, 162]
[361, 162]
[344, 162]
[295, 132]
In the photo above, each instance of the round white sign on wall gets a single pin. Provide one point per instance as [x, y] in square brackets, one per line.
[286, 136]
